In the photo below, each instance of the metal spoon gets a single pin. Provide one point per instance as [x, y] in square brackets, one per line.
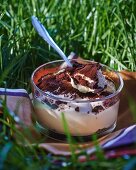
[45, 35]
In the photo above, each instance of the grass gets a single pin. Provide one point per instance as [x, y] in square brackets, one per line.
[100, 30]
[103, 30]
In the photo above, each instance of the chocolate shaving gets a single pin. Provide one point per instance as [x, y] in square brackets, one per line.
[60, 83]
[97, 109]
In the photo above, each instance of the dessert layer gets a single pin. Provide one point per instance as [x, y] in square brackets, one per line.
[83, 80]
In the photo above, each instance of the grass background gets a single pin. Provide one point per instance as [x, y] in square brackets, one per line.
[103, 30]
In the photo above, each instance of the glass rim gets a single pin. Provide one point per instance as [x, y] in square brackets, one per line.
[55, 97]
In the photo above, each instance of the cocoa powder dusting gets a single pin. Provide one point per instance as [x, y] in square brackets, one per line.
[60, 83]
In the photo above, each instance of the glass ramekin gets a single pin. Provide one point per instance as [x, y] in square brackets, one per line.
[81, 116]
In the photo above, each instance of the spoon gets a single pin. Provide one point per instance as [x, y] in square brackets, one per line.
[45, 35]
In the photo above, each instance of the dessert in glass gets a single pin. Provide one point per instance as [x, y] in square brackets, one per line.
[88, 94]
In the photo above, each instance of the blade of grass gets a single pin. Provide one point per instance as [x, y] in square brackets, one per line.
[69, 137]
[116, 60]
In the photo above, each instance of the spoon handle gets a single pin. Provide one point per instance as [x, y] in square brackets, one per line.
[45, 35]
